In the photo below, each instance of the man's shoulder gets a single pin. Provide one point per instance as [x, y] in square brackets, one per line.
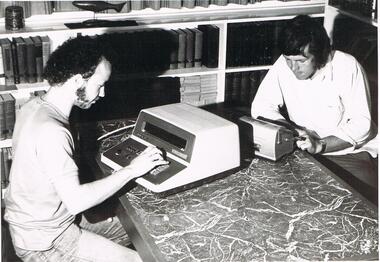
[344, 58]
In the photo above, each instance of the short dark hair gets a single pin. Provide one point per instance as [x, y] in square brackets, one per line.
[302, 31]
[80, 55]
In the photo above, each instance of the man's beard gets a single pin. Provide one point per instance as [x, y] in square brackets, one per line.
[82, 101]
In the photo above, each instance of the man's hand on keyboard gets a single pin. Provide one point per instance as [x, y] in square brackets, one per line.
[146, 160]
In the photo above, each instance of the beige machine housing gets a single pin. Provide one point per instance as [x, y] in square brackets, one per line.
[270, 140]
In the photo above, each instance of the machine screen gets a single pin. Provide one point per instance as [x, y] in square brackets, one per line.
[165, 135]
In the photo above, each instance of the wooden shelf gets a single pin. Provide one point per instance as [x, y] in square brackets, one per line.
[156, 18]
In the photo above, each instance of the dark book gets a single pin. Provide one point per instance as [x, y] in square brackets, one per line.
[31, 70]
[20, 46]
[9, 113]
[188, 3]
[3, 133]
[154, 4]
[236, 86]
[220, 2]
[181, 48]
[174, 4]
[16, 76]
[39, 61]
[6, 48]
[245, 88]
[198, 43]
[210, 49]
[174, 51]
[189, 57]
[202, 3]
[254, 78]
[228, 87]
[45, 49]
[4, 178]
[6, 163]
[2, 72]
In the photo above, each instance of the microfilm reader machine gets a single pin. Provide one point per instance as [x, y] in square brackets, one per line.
[197, 144]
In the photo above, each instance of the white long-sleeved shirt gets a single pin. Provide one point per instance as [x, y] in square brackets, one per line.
[334, 102]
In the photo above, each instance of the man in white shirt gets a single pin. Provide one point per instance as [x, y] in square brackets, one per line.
[45, 193]
[326, 98]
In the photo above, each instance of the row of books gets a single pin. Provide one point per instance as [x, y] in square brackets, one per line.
[48, 7]
[22, 59]
[252, 43]
[199, 90]
[5, 165]
[157, 50]
[241, 87]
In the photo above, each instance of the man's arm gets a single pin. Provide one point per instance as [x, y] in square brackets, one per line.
[55, 157]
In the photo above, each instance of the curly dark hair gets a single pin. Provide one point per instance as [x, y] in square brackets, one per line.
[302, 31]
[79, 55]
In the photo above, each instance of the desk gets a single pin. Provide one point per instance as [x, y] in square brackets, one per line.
[293, 209]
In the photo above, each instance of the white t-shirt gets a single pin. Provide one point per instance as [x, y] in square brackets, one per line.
[335, 101]
[42, 155]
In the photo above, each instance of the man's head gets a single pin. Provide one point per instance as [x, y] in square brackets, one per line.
[305, 46]
[81, 61]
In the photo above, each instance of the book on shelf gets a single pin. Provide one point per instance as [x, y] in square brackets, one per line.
[39, 60]
[198, 42]
[5, 165]
[2, 72]
[174, 4]
[20, 56]
[189, 53]
[210, 46]
[31, 70]
[154, 4]
[16, 76]
[3, 133]
[45, 49]
[9, 103]
[6, 48]
[188, 3]
[202, 3]
[181, 48]
[174, 49]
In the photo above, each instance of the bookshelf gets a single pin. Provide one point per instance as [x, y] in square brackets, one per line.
[222, 17]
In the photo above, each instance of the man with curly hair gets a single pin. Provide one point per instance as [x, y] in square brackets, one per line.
[45, 194]
[325, 95]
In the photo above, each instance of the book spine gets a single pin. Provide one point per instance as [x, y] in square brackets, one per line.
[9, 113]
[16, 75]
[198, 42]
[45, 49]
[31, 71]
[181, 48]
[188, 3]
[2, 119]
[189, 48]
[7, 61]
[21, 59]
[2, 71]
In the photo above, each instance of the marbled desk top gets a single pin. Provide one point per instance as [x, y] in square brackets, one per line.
[289, 210]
